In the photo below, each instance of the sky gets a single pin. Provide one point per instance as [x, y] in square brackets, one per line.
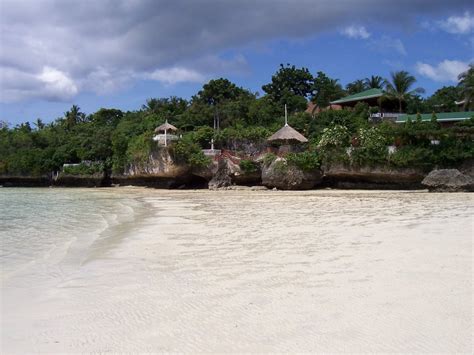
[119, 53]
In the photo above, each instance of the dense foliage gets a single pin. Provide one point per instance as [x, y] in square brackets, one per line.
[233, 117]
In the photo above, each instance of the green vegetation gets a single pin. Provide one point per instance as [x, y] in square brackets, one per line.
[269, 158]
[189, 152]
[84, 169]
[248, 166]
[243, 120]
[306, 161]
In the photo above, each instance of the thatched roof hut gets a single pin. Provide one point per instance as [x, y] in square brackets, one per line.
[165, 127]
[287, 133]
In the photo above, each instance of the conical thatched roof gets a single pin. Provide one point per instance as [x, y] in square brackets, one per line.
[287, 133]
[165, 126]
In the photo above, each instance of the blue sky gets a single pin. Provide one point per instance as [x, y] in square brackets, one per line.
[98, 56]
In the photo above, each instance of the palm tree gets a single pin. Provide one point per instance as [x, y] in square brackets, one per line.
[399, 87]
[39, 124]
[74, 116]
[466, 84]
[374, 82]
[355, 87]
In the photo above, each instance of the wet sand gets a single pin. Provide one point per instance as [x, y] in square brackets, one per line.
[248, 271]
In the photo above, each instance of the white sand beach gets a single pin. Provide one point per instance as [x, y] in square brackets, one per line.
[257, 271]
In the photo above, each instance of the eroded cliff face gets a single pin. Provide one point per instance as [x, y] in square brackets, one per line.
[370, 177]
[159, 164]
[159, 170]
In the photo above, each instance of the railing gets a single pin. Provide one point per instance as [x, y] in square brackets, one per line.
[211, 152]
[384, 116]
[160, 138]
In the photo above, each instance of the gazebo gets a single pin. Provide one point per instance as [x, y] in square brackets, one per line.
[287, 135]
[162, 136]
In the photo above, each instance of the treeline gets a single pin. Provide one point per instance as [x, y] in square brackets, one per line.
[115, 138]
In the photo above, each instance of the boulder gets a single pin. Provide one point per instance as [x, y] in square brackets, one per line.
[222, 176]
[283, 176]
[448, 180]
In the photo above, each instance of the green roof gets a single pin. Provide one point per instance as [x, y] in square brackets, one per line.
[363, 95]
[442, 117]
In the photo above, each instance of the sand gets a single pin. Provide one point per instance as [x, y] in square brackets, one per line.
[248, 271]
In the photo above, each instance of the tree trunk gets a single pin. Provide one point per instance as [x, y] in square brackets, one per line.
[400, 105]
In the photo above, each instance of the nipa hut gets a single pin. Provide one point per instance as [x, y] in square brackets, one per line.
[162, 136]
[287, 137]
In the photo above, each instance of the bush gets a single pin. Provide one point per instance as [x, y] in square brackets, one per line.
[337, 136]
[410, 156]
[139, 149]
[84, 169]
[269, 158]
[248, 166]
[372, 147]
[306, 161]
[188, 152]
[250, 134]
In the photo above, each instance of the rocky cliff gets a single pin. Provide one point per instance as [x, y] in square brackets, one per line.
[370, 177]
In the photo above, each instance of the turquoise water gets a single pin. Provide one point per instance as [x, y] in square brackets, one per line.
[44, 226]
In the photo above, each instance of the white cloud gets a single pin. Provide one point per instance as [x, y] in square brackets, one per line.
[103, 81]
[458, 24]
[447, 70]
[356, 32]
[56, 84]
[176, 75]
[388, 45]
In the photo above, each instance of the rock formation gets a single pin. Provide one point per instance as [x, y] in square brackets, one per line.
[448, 180]
[285, 176]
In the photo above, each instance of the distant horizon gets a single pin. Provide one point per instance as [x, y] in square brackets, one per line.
[118, 54]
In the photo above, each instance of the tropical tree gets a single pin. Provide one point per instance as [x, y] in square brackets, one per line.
[355, 87]
[227, 102]
[166, 106]
[74, 116]
[326, 89]
[39, 124]
[374, 82]
[466, 84]
[443, 100]
[399, 88]
[291, 86]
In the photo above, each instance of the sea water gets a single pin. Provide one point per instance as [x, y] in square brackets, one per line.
[45, 227]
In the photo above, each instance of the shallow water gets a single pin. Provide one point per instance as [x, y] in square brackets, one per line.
[95, 270]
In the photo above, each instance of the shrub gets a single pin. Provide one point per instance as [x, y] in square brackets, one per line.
[188, 152]
[139, 149]
[250, 134]
[372, 147]
[203, 136]
[248, 166]
[84, 168]
[410, 156]
[269, 158]
[306, 161]
[337, 136]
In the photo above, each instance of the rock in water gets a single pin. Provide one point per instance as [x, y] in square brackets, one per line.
[284, 176]
[448, 180]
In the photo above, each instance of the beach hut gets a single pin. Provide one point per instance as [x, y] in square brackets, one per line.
[287, 137]
[162, 136]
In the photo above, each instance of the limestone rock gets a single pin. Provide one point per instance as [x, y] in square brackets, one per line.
[448, 180]
[283, 176]
[222, 176]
